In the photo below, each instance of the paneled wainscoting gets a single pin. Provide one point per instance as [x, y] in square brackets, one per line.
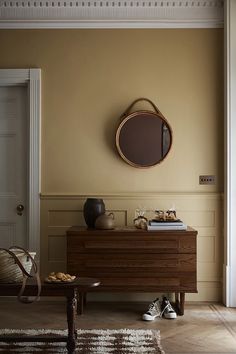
[202, 211]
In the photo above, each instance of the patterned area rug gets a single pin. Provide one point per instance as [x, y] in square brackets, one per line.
[121, 341]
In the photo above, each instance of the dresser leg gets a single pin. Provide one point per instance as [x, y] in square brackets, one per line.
[81, 301]
[182, 300]
[179, 303]
[177, 306]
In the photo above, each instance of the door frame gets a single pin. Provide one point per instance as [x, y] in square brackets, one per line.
[229, 266]
[32, 79]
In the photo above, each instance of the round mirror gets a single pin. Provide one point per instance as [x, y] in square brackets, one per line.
[143, 139]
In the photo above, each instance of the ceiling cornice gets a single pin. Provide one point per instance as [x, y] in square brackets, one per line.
[111, 14]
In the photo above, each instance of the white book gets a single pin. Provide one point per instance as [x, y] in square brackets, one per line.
[166, 227]
[165, 223]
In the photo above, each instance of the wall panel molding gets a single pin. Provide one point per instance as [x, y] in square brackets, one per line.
[111, 14]
[149, 195]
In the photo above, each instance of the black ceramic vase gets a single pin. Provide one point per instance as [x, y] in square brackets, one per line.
[93, 207]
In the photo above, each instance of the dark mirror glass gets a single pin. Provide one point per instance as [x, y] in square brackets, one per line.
[143, 139]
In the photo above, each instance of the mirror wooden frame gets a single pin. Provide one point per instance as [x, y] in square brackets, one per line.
[143, 150]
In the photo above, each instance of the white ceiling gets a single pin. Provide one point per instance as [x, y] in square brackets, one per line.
[111, 14]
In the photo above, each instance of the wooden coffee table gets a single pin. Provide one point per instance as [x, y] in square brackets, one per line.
[68, 290]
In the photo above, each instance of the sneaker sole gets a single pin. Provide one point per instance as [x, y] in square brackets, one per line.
[149, 318]
[170, 316]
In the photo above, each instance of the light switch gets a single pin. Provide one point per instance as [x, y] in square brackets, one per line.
[207, 179]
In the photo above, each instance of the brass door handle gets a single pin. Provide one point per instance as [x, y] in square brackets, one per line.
[19, 209]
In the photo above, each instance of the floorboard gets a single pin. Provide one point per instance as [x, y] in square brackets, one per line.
[208, 328]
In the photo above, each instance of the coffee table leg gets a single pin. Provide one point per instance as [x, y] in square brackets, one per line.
[71, 310]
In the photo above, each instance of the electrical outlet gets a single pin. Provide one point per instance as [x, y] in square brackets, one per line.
[207, 179]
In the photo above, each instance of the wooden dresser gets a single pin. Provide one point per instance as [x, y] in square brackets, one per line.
[130, 259]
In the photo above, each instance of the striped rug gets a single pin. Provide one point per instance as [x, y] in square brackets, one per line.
[121, 341]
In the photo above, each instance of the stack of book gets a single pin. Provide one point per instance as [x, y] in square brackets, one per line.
[166, 225]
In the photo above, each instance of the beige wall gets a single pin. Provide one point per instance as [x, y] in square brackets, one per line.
[89, 77]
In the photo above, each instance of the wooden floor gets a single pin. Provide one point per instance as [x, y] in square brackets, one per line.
[205, 327]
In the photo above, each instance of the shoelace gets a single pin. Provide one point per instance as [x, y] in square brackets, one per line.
[151, 306]
[168, 306]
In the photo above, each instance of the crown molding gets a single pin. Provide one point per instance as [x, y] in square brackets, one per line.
[111, 14]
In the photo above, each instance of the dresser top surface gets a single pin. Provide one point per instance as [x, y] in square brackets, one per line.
[77, 230]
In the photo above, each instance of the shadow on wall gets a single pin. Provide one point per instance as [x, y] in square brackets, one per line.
[110, 129]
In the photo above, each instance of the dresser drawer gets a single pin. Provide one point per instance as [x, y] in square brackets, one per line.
[127, 263]
[171, 244]
[144, 283]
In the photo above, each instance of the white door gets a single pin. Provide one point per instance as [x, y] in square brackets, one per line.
[13, 166]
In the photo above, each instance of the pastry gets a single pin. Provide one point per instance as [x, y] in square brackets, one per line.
[59, 277]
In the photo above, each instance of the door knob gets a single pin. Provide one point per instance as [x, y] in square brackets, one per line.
[19, 209]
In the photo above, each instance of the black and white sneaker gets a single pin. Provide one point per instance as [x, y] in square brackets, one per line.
[154, 310]
[167, 310]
